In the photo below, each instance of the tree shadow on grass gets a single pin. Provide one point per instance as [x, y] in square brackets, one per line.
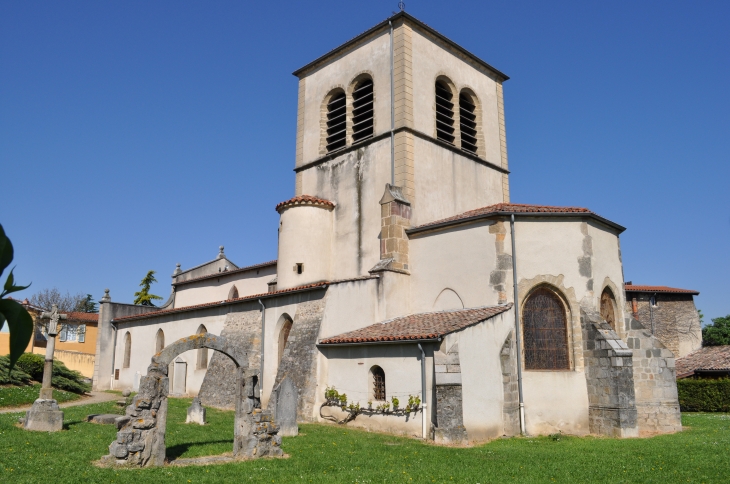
[175, 451]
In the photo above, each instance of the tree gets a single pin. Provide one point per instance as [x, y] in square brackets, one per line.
[88, 305]
[19, 321]
[143, 297]
[66, 303]
[717, 333]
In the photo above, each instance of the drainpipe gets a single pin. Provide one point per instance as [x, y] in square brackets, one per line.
[114, 354]
[423, 390]
[263, 335]
[392, 111]
[518, 338]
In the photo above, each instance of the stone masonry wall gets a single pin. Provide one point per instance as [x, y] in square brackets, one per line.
[299, 361]
[676, 321]
[510, 390]
[609, 377]
[449, 409]
[655, 380]
[243, 329]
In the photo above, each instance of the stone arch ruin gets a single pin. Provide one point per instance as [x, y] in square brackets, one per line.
[140, 441]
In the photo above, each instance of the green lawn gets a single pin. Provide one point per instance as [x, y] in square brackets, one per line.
[15, 396]
[328, 453]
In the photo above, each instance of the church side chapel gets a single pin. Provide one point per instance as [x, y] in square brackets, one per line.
[410, 295]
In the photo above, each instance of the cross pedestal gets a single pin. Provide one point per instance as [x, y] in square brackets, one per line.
[45, 415]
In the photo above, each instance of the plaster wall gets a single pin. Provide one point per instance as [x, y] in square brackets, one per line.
[355, 182]
[447, 183]
[217, 289]
[305, 237]
[555, 401]
[350, 306]
[347, 369]
[457, 259]
[205, 269]
[372, 57]
[175, 326]
[432, 59]
[607, 269]
[481, 376]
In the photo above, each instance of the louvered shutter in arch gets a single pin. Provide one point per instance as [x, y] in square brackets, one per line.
[336, 125]
[362, 111]
[444, 113]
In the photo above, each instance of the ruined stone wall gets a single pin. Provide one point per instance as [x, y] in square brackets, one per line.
[655, 382]
[243, 329]
[676, 321]
[299, 360]
[449, 397]
[609, 376]
[510, 390]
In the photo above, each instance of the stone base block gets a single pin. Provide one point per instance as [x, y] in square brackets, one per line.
[196, 413]
[450, 436]
[103, 418]
[44, 416]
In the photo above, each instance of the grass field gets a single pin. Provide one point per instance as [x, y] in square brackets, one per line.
[15, 396]
[327, 453]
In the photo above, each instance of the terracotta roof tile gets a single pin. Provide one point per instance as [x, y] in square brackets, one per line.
[183, 309]
[77, 316]
[707, 358]
[418, 326]
[665, 289]
[304, 200]
[226, 273]
[507, 208]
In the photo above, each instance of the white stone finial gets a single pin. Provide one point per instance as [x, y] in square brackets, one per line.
[221, 254]
[177, 270]
[107, 297]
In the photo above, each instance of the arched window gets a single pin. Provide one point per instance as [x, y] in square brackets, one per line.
[545, 332]
[468, 123]
[608, 304]
[159, 341]
[202, 352]
[336, 125]
[362, 111]
[127, 350]
[444, 112]
[377, 377]
[233, 293]
[284, 335]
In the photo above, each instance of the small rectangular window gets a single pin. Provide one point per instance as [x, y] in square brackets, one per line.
[300, 267]
[116, 374]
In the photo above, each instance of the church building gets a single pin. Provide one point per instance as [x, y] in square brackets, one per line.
[407, 279]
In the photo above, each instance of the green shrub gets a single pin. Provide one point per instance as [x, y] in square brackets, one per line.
[32, 364]
[30, 367]
[704, 395]
[16, 377]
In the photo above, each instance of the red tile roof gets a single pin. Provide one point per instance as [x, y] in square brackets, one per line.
[418, 326]
[227, 273]
[707, 358]
[509, 208]
[304, 200]
[664, 289]
[183, 309]
[76, 316]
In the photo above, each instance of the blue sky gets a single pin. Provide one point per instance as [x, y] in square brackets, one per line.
[135, 135]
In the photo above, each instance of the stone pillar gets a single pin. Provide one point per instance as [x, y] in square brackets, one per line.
[395, 219]
[103, 371]
[609, 377]
[449, 411]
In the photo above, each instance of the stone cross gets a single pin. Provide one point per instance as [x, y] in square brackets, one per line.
[53, 330]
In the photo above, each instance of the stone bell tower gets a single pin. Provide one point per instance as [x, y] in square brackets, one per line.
[399, 104]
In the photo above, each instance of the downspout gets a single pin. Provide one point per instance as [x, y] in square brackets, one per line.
[114, 354]
[263, 335]
[424, 401]
[518, 338]
[392, 111]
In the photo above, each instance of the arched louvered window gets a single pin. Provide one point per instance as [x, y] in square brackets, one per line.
[377, 376]
[336, 125]
[159, 341]
[362, 111]
[545, 332]
[444, 112]
[608, 303]
[468, 123]
[202, 362]
[127, 350]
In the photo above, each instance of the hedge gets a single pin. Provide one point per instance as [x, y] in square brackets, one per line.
[30, 367]
[704, 395]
